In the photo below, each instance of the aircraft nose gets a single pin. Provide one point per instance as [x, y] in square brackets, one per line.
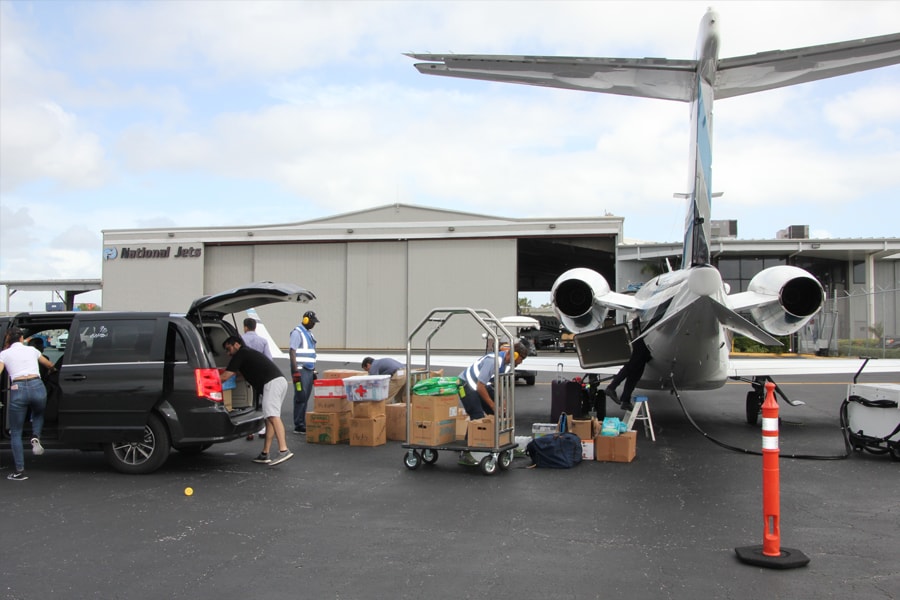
[705, 281]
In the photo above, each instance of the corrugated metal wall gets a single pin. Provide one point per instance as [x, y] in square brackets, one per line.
[372, 294]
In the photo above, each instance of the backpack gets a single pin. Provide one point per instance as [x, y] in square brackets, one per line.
[557, 451]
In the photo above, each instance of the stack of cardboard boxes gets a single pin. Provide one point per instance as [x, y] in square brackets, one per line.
[368, 395]
[329, 423]
[594, 446]
[433, 421]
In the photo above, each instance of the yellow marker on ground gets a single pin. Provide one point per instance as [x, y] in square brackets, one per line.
[188, 491]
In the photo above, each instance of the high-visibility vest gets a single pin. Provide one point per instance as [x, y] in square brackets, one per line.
[306, 353]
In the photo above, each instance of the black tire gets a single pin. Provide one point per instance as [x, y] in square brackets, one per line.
[529, 380]
[506, 458]
[489, 465]
[753, 406]
[429, 456]
[412, 460]
[145, 456]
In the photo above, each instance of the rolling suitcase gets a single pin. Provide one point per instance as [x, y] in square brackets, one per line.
[566, 396]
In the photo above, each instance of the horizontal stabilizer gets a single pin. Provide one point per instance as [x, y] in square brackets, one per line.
[726, 317]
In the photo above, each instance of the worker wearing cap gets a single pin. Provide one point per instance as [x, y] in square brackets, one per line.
[303, 367]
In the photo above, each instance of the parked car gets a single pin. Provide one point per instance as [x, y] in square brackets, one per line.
[137, 384]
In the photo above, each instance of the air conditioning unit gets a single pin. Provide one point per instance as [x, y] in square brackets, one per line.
[723, 228]
[794, 232]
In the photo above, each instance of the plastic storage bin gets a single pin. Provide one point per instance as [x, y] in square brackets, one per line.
[366, 388]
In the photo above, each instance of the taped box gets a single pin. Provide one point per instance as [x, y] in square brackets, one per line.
[481, 434]
[582, 428]
[618, 448]
[341, 373]
[369, 431]
[434, 408]
[396, 421]
[365, 388]
[362, 410]
[329, 388]
[327, 428]
[433, 433]
[331, 404]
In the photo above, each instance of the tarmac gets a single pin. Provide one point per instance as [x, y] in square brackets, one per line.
[348, 522]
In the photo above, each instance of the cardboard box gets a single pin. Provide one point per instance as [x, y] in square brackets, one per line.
[226, 399]
[365, 388]
[481, 434]
[329, 404]
[587, 449]
[327, 428]
[396, 422]
[329, 388]
[368, 431]
[341, 373]
[619, 448]
[433, 433]
[363, 410]
[462, 426]
[434, 408]
[582, 428]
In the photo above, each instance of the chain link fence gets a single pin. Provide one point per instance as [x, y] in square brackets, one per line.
[855, 323]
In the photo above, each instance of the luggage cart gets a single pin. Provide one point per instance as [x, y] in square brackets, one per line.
[500, 456]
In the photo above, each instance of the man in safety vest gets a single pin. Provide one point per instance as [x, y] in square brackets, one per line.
[303, 367]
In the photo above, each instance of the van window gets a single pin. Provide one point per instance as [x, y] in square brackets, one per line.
[176, 351]
[115, 341]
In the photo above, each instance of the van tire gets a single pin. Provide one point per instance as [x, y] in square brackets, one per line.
[145, 456]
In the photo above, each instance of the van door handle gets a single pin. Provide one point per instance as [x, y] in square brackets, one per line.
[75, 378]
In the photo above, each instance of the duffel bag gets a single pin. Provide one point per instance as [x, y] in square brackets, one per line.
[557, 451]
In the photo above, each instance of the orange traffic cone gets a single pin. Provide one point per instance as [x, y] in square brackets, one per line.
[771, 555]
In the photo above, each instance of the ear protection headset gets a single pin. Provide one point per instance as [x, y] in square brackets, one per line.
[305, 320]
[515, 356]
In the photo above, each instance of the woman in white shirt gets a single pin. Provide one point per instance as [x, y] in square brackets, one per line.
[26, 390]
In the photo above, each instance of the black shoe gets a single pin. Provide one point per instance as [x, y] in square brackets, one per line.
[283, 455]
[300, 430]
[626, 404]
[611, 394]
[263, 458]
[17, 476]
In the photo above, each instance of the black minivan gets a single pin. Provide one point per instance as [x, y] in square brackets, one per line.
[136, 384]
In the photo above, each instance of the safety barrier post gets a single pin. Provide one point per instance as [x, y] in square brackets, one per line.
[770, 554]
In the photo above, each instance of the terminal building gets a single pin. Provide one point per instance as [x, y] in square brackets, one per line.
[377, 273]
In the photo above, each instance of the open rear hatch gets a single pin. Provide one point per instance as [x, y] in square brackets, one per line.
[249, 296]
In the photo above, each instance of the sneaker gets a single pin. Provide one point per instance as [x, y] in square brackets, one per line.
[283, 455]
[263, 458]
[466, 459]
[611, 394]
[300, 430]
[626, 404]
[17, 476]
[36, 447]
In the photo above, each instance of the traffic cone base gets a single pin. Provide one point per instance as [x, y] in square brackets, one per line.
[788, 558]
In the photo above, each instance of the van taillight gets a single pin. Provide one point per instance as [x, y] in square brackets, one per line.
[208, 384]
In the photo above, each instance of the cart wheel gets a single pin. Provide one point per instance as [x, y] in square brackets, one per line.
[412, 460]
[429, 456]
[488, 465]
[506, 459]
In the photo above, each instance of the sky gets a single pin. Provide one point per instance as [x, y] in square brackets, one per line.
[167, 113]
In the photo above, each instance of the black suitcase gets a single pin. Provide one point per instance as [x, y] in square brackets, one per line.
[566, 396]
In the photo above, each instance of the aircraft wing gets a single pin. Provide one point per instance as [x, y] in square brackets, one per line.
[779, 68]
[548, 362]
[661, 78]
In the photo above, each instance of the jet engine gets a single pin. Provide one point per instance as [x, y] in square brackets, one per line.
[574, 297]
[796, 297]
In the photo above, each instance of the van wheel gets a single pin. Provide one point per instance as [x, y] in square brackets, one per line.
[145, 456]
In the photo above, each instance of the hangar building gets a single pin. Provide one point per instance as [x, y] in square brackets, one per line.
[377, 273]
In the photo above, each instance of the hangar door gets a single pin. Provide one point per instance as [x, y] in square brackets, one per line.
[376, 295]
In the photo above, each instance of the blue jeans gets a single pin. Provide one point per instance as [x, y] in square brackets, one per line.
[29, 394]
[475, 407]
[301, 398]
